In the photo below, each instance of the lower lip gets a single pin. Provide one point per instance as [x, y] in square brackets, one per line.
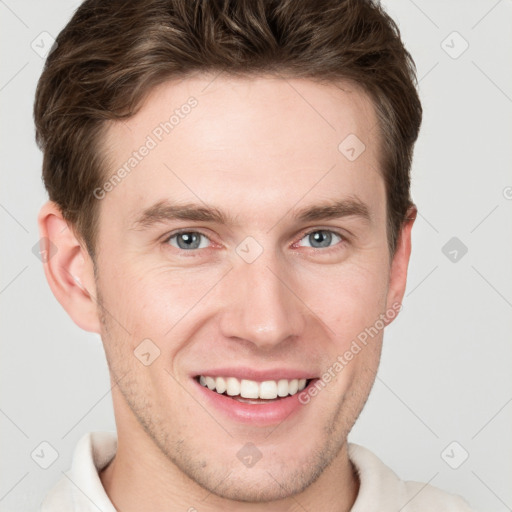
[261, 414]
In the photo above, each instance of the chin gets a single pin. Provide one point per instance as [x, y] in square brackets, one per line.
[260, 485]
[274, 477]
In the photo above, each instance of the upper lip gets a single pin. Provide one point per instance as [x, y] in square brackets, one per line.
[257, 375]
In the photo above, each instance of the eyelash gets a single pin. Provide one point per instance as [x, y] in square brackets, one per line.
[326, 250]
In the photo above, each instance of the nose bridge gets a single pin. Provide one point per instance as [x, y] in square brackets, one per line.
[263, 309]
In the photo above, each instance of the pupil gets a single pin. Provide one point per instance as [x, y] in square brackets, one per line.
[322, 237]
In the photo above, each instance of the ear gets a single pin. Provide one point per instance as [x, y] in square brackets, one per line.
[400, 263]
[68, 268]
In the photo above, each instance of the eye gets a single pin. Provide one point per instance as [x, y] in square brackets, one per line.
[193, 240]
[322, 238]
[188, 240]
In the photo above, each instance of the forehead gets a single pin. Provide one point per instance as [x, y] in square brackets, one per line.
[249, 143]
[228, 109]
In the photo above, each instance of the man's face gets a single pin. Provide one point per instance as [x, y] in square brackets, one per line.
[264, 296]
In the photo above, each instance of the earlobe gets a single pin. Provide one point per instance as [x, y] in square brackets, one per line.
[400, 263]
[68, 268]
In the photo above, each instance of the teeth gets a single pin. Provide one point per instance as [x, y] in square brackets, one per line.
[210, 382]
[232, 386]
[268, 389]
[282, 387]
[249, 389]
[220, 385]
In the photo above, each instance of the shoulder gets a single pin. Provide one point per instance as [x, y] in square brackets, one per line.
[421, 497]
[380, 487]
[58, 498]
[80, 488]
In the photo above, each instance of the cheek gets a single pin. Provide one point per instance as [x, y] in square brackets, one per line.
[155, 302]
[351, 298]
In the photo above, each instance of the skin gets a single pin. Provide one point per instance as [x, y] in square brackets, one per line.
[257, 150]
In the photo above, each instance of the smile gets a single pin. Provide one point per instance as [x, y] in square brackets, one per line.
[256, 398]
[251, 389]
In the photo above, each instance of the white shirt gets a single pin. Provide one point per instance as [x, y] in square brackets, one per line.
[81, 490]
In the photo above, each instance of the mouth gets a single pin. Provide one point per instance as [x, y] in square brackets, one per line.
[255, 402]
[251, 391]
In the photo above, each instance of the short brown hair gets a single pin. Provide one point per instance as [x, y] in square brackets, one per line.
[112, 53]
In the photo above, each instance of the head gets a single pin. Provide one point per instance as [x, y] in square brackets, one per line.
[229, 195]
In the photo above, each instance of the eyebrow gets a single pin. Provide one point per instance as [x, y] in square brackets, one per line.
[166, 210]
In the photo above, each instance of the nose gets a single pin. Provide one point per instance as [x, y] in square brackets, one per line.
[264, 306]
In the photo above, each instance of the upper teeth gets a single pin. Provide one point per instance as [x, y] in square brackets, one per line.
[267, 389]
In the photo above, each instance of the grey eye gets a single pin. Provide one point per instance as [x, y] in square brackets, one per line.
[321, 238]
[187, 240]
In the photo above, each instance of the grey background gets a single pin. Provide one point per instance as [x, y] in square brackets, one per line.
[446, 368]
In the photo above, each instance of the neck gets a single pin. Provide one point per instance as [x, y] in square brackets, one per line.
[140, 477]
